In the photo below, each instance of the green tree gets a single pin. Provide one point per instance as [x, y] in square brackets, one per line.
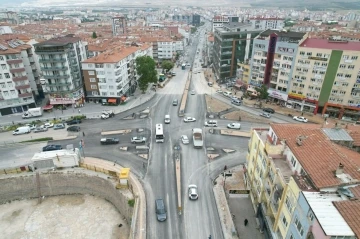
[167, 65]
[145, 68]
[177, 56]
[94, 35]
[263, 92]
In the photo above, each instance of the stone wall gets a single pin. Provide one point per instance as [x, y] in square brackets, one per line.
[24, 186]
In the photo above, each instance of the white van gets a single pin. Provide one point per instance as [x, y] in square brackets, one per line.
[22, 130]
[234, 126]
[167, 119]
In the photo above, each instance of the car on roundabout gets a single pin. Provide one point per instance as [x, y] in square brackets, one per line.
[193, 192]
[136, 140]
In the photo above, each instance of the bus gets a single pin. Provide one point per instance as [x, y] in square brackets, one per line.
[159, 133]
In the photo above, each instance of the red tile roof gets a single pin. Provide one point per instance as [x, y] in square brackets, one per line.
[350, 211]
[326, 44]
[318, 155]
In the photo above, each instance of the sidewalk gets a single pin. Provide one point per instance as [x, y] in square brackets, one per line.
[138, 227]
[235, 208]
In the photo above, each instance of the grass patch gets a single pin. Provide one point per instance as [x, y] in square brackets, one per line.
[37, 140]
[131, 202]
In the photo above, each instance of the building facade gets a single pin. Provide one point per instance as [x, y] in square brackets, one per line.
[284, 61]
[263, 23]
[111, 77]
[233, 44]
[60, 63]
[119, 26]
[196, 19]
[219, 21]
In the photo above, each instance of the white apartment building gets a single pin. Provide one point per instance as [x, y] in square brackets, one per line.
[166, 50]
[60, 63]
[17, 77]
[218, 21]
[110, 77]
[264, 23]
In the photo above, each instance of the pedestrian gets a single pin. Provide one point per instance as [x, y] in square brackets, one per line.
[302, 113]
[83, 134]
[246, 222]
[79, 111]
[225, 167]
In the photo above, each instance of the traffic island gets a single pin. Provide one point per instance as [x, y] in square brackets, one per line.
[144, 156]
[212, 156]
[228, 151]
[124, 131]
[124, 148]
[239, 115]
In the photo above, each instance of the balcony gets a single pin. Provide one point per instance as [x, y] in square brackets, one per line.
[52, 60]
[21, 87]
[59, 84]
[17, 70]
[54, 68]
[14, 61]
[56, 76]
[25, 95]
[19, 78]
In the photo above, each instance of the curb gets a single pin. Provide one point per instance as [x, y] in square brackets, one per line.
[150, 98]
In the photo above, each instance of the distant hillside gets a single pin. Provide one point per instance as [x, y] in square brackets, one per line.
[313, 5]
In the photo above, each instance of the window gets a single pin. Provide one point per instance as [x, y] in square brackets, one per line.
[91, 73]
[95, 93]
[288, 204]
[6, 93]
[92, 80]
[284, 221]
[342, 66]
[112, 93]
[9, 84]
[2, 85]
[311, 216]
[351, 67]
[293, 161]
[345, 57]
[299, 226]
[352, 58]
[7, 76]
[12, 92]
[1, 58]
[93, 87]
[16, 65]
[3, 66]
[302, 53]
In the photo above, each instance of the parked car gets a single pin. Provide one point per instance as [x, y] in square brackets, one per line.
[234, 126]
[269, 110]
[137, 139]
[109, 141]
[210, 84]
[59, 126]
[300, 118]
[227, 94]
[219, 91]
[173, 73]
[189, 119]
[49, 125]
[211, 123]
[73, 128]
[32, 126]
[40, 129]
[106, 115]
[184, 139]
[51, 147]
[73, 121]
[266, 115]
[175, 102]
[236, 102]
[193, 192]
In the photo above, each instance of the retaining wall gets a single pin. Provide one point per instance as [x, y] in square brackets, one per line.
[24, 186]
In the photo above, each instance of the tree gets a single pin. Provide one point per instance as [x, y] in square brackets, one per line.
[94, 35]
[145, 68]
[167, 65]
[177, 56]
[263, 92]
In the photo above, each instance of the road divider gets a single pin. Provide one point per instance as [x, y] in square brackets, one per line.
[178, 177]
[184, 96]
[237, 133]
[123, 131]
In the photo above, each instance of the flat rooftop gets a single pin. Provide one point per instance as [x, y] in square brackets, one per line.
[332, 45]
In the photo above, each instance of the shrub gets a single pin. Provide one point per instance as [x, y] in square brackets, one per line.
[131, 202]
[37, 140]
[79, 117]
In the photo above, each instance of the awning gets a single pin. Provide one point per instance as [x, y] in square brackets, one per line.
[112, 100]
[48, 107]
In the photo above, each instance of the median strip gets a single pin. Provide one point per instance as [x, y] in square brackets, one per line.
[124, 131]
[236, 133]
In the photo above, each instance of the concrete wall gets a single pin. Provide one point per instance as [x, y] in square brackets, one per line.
[24, 186]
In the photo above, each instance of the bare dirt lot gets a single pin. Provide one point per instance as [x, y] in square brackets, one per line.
[74, 216]
[215, 105]
[245, 117]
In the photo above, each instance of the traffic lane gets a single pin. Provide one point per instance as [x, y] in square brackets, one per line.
[230, 160]
[8, 137]
[244, 125]
[219, 142]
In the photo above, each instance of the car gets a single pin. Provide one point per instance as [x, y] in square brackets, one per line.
[173, 73]
[266, 115]
[73, 128]
[269, 110]
[236, 102]
[73, 121]
[210, 84]
[211, 123]
[300, 118]
[193, 192]
[137, 139]
[192, 92]
[189, 119]
[40, 129]
[188, 64]
[109, 141]
[219, 91]
[184, 139]
[52, 147]
[106, 115]
[49, 125]
[160, 210]
[59, 126]
[227, 94]
[234, 126]
[175, 102]
[32, 126]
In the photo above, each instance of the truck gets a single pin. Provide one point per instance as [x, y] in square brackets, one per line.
[33, 112]
[56, 159]
[198, 138]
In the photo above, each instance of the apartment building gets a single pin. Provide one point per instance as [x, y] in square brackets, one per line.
[295, 175]
[209, 49]
[219, 21]
[233, 44]
[326, 78]
[19, 79]
[60, 62]
[110, 77]
[243, 73]
[196, 19]
[284, 61]
[265, 23]
[163, 48]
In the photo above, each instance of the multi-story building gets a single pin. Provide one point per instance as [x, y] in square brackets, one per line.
[60, 62]
[164, 48]
[119, 26]
[182, 18]
[196, 20]
[110, 77]
[9, 17]
[209, 48]
[219, 21]
[265, 23]
[294, 172]
[326, 78]
[233, 44]
[19, 79]
[243, 73]
[284, 60]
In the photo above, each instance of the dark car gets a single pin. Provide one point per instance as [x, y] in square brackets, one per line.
[109, 141]
[73, 128]
[51, 147]
[269, 110]
[73, 121]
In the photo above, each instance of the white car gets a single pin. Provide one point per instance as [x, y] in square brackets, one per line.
[32, 126]
[266, 115]
[189, 119]
[193, 192]
[184, 139]
[234, 126]
[211, 123]
[219, 91]
[48, 125]
[136, 139]
[105, 115]
[227, 94]
[300, 118]
[192, 92]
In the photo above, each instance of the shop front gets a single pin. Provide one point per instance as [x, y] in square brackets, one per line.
[302, 103]
[278, 97]
[344, 112]
[67, 99]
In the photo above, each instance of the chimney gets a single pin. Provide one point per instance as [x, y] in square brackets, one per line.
[340, 169]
